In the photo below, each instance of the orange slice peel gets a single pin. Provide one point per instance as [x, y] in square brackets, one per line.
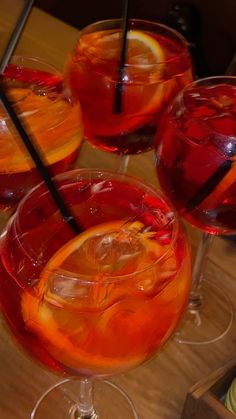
[64, 324]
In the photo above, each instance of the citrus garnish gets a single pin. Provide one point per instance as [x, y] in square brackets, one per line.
[55, 125]
[145, 52]
[142, 48]
[73, 313]
[103, 253]
[218, 193]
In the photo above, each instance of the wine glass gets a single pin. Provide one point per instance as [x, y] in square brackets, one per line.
[157, 67]
[196, 169]
[36, 90]
[99, 303]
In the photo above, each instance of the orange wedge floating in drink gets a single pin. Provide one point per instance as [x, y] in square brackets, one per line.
[217, 195]
[71, 312]
[143, 50]
[55, 125]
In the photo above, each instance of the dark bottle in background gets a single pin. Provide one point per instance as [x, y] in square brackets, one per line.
[186, 19]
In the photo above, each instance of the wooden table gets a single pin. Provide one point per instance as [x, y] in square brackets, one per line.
[159, 387]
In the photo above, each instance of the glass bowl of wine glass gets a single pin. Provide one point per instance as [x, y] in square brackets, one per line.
[156, 68]
[95, 304]
[196, 170]
[36, 90]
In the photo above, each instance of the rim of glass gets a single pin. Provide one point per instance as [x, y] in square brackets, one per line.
[168, 29]
[50, 69]
[207, 81]
[34, 59]
[211, 81]
[78, 174]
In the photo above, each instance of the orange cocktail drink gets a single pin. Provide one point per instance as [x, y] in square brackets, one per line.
[36, 90]
[157, 67]
[107, 299]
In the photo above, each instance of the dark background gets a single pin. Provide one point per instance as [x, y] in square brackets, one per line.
[209, 25]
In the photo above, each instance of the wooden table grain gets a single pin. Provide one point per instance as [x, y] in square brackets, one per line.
[158, 388]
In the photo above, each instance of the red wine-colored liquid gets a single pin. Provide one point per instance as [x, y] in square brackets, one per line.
[198, 143]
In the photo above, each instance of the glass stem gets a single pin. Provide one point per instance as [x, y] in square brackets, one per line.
[195, 298]
[84, 408]
[123, 163]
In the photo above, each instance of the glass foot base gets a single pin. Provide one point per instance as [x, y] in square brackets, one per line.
[210, 322]
[60, 402]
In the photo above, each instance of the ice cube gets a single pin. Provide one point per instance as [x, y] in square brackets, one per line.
[78, 293]
[103, 186]
[62, 289]
[197, 103]
[223, 123]
[113, 252]
[196, 131]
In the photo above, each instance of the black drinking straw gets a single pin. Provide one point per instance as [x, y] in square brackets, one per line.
[211, 183]
[16, 34]
[38, 160]
[28, 142]
[119, 84]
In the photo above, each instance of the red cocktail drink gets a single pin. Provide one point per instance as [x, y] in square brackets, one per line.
[157, 67]
[196, 169]
[196, 159]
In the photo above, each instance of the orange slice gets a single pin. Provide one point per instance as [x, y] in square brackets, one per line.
[60, 310]
[56, 127]
[142, 50]
[109, 250]
[217, 195]
[145, 51]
